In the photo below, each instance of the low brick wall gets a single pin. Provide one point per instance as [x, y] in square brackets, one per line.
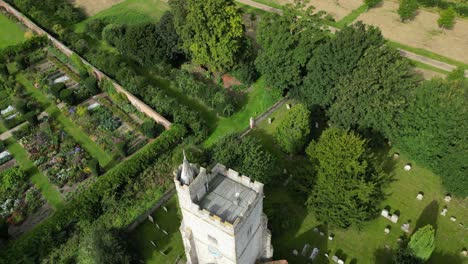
[141, 106]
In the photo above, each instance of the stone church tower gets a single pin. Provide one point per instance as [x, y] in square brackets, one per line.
[223, 220]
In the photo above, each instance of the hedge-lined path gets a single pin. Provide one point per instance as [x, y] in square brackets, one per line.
[105, 160]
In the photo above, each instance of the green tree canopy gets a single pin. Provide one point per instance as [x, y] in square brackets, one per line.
[100, 245]
[335, 59]
[422, 242]
[447, 18]
[212, 31]
[375, 93]
[432, 130]
[407, 9]
[245, 155]
[347, 191]
[292, 133]
[287, 43]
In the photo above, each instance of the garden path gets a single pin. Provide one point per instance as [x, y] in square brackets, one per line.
[6, 135]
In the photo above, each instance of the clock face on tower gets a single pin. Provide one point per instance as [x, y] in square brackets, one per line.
[214, 251]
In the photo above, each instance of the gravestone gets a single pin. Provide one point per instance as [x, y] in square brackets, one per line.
[384, 213]
[322, 234]
[405, 227]
[152, 243]
[304, 249]
[394, 218]
[314, 254]
[164, 231]
[288, 106]
[444, 212]
[316, 125]
[295, 253]
[157, 225]
[165, 208]
[150, 218]
[464, 252]
[335, 259]
[330, 238]
[340, 261]
[252, 122]
[420, 196]
[270, 120]
[448, 198]
[316, 230]
[387, 230]
[396, 156]
[407, 167]
[453, 219]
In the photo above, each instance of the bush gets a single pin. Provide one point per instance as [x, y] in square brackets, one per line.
[407, 9]
[149, 129]
[447, 18]
[56, 88]
[31, 117]
[372, 3]
[67, 96]
[292, 133]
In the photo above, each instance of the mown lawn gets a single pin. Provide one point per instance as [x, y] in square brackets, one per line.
[259, 99]
[12, 33]
[368, 245]
[105, 160]
[170, 244]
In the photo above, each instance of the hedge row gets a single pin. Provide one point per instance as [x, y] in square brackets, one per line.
[89, 205]
[29, 45]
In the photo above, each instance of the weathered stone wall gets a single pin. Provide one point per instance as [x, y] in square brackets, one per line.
[141, 106]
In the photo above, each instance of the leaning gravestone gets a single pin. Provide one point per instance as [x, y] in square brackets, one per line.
[314, 254]
[304, 249]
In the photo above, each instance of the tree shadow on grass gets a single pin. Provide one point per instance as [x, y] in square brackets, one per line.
[383, 256]
[428, 216]
[444, 257]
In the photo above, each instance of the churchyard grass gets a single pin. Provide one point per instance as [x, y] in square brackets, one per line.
[12, 33]
[259, 99]
[368, 244]
[349, 19]
[421, 65]
[105, 160]
[170, 244]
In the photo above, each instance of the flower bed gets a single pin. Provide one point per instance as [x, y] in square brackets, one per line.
[56, 154]
[18, 199]
[107, 129]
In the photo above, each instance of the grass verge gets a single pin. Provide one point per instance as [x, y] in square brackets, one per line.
[348, 19]
[12, 33]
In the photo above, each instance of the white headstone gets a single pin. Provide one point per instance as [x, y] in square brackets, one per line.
[407, 167]
[384, 213]
[152, 243]
[252, 122]
[419, 196]
[165, 208]
[322, 234]
[340, 261]
[394, 218]
[330, 238]
[316, 125]
[464, 252]
[405, 227]
[304, 249]
[453, 219]
[164, 231]
[316, 230]
[270, 120]
[444, 212]
[157, 225]
[396, 156]
[295, 253]
[288, 106]
[150, 218]
[335, 259]
[314, 254]
[387, 230]
[448, 198]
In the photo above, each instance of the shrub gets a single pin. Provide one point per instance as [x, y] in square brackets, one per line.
[31, 117]
[56, 88]
[67, 96]
[447, 18]
[372, 3]
[292, 133]
[407, 9]
[150, 129]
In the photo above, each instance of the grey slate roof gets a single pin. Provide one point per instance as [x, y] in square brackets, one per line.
[220, 199]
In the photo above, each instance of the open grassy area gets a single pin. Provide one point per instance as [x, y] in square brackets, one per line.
[349, 19]
[368, 245]
[259, 99]
[170, 244]
[12, 33]
[133, 12]
[48, 190]
[105, 160]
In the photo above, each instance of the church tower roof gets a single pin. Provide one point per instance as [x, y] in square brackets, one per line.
[187, 174]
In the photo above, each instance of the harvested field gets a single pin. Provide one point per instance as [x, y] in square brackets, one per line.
[92, 7]
[422, 32]
[336, 8]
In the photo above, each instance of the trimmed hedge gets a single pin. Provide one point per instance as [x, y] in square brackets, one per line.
[89, 205]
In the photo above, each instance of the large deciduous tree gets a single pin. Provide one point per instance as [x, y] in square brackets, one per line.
[287, 43]
[432, 130]
[348, 187]
[375, 93]
[212, 31]
[291, 134]
[245, 155]
[337, 58]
